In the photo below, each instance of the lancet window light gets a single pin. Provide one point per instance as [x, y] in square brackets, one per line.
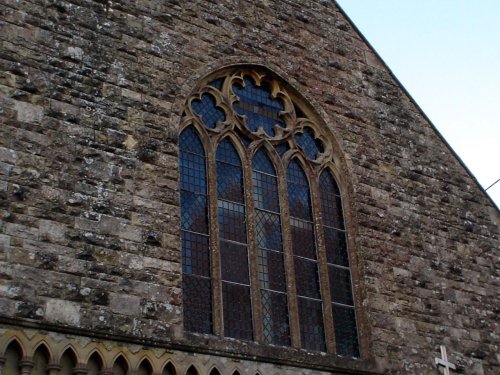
[264, 249]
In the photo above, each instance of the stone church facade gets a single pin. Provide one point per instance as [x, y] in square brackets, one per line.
[229, 187]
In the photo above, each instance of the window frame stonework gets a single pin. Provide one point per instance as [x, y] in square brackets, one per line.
[233, 127]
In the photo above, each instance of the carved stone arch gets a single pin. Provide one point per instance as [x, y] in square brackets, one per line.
[72, 351]
[120, 364]
[169, 368]
[270, 151]
[42, 357]
[192, 370]
[11, 357]
[68, 360]
[44, 346]
[95, 362]
[145, 366]
[17, 343]
[214, 371]
[236, 371]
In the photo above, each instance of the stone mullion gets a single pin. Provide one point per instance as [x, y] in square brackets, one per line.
[80, 369]
[217, 307]
[322, 266]
[53, 369]
[252, 250]
[293, 309]
[26, 366]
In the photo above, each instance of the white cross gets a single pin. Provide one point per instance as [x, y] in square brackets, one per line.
[443, 361]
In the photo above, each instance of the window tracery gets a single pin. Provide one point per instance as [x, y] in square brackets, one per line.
[263, 234]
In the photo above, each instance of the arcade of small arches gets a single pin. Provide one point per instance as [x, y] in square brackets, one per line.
[44, 355]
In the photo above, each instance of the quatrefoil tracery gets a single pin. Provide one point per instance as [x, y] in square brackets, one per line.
[258, 108]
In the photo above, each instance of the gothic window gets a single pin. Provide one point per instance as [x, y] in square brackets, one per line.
[264, 243]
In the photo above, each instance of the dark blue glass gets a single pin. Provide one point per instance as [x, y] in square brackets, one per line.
[312, 147]
[257, 104]
[189, 141]
[262, 163]
[207, 110]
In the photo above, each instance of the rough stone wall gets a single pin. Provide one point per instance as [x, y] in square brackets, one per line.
[91, 96]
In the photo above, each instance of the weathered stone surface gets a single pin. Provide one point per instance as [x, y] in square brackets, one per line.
[91, 94]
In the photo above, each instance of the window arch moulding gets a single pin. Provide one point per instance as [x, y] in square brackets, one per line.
[260, 277]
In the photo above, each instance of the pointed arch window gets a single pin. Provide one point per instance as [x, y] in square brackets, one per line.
[264, 242]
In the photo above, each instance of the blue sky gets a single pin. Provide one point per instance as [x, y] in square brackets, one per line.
[447, 55]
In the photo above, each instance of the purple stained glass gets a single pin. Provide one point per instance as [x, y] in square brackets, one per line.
[311, 146]
[259, 107]
[208, 111]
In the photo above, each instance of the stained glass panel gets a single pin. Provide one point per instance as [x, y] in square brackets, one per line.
[197, 303]
[195, 248]
[268, 230]
[336, 247]
[232, 221]
[306, 276]
[261, 110]
[265, 191]
[311, 146]
[262, 163]
[331, 204]
[195, 254]
[237, 311]
[340, 285]
[346, 336]
[311, 324]
[271, 270]
[230, 182]
[275, 318]
[303, 241]
[234, 262]
[208, 111]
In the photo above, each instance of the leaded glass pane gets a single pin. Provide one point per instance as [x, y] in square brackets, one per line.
[192, 171]
[234, 262]
[331, 204]
[336, 247]
[268, 230]
[217, 83]
[282, 148]
[232, 221]
[346, 336]
[299, 199]
[275, 318]
[265, 191]
[262, 163]
[306, 276]
[311, 324]
[311, 146]
[303, 242]
[194, 212]
[261, 110]
[271, 270]
[237, 311]
[340, 285]
[195, 254]
[227, 153]
[230, 182]
[207, 110]
[197, 303]
[190, 142]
